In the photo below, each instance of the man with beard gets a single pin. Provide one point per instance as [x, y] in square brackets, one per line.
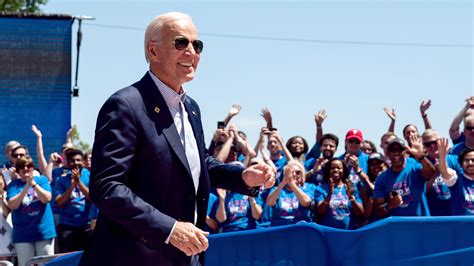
[399, 190]
[327, 147]
[72, 197]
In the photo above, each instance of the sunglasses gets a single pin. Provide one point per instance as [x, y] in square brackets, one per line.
[29, 166]
[429, 143]
[468, 128]
[354, 141]
[18, 155]
[181, 43]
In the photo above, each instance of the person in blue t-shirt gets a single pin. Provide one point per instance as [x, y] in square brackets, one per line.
[328, 146]
[292, 198]
[33, 226]
[337, 199]
[377, 165]
[461, 181]
[211, 222]
[469, 137]
[399, 191]
[455, 132]
[72, 197]
[355, 159]
[438, 193]
[237, 212]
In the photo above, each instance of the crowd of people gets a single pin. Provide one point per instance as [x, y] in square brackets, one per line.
[46, 207]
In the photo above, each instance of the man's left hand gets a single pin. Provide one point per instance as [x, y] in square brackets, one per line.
[258, 175]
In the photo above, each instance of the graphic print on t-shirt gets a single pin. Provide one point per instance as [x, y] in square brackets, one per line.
[27, 201]
[403, 189]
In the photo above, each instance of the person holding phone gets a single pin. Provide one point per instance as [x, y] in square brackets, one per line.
[72, 197]
[400, 189]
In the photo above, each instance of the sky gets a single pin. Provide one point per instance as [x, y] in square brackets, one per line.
[351, 58]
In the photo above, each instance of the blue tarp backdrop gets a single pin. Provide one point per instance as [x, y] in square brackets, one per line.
[393, 241]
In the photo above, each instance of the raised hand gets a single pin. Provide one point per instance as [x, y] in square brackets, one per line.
[390, 112]
[331, 185]
[416, 148]
[235, 110]
[320, 117]
[36, 131]
[443, 147]
[320, 163]
[189, 239]
[424, 107]
[267, 116]
[349, 188]
[221, 193]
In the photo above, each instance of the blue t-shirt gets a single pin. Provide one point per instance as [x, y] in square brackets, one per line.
[363, 164]
[211, 210]
[315, 152]
[339, 213]
[239, 213]
[33, 220]
[461, 138]
[439, 195]
[458, 148]
[409, 183]
[287, 209]
[76, 211]
[462, 194]
[55, 174]
[265, 220]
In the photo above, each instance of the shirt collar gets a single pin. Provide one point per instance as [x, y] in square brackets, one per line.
[172, 98]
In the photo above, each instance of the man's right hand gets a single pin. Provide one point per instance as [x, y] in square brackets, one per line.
[189, 239]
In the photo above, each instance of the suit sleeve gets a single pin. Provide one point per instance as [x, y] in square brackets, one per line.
[228, 176]
[112, 164]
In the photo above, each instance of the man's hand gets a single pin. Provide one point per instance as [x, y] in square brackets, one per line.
[416, 148]
[394, 201]
[189, 239]
[258, 175]
[320, 117]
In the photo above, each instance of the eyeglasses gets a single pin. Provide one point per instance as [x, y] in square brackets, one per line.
[181, 43]
[18, 155]
[354, 141]
[429, 143]
[468, 128]
[468, 160]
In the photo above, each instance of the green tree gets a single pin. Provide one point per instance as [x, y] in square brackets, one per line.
[76, 141]
[32, 6]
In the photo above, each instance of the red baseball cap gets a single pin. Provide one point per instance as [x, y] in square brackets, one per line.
[354, 134]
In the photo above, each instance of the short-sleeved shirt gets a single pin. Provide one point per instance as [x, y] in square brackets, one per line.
[76, 211]
[439, 195]
[363, 164]
[462, 193]
[33, 220]
[238, 212]
[339, 213]
[55, 174]
[265, 220]
[288, 210]
[212, 205]
[410, 185]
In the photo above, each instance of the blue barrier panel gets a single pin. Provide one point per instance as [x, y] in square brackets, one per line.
[407, 241]
[393, 241]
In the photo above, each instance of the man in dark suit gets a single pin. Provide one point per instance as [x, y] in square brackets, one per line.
[151, 174]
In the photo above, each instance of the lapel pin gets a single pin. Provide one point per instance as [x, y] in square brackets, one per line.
[194, 113]
[157, 110]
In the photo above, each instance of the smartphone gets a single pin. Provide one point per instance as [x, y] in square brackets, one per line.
[220, 124]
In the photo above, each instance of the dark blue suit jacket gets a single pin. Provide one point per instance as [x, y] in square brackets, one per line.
[141, 181]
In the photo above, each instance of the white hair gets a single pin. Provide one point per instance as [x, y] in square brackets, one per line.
[11, 144]
[156, 26]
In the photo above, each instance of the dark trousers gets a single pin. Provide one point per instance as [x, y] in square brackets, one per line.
[71, 238]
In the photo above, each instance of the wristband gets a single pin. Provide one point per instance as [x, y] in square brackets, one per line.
[421, 158]
[424, 115]
[33, 186]
[359, 172]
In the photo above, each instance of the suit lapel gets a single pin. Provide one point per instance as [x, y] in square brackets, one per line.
[157, 109]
